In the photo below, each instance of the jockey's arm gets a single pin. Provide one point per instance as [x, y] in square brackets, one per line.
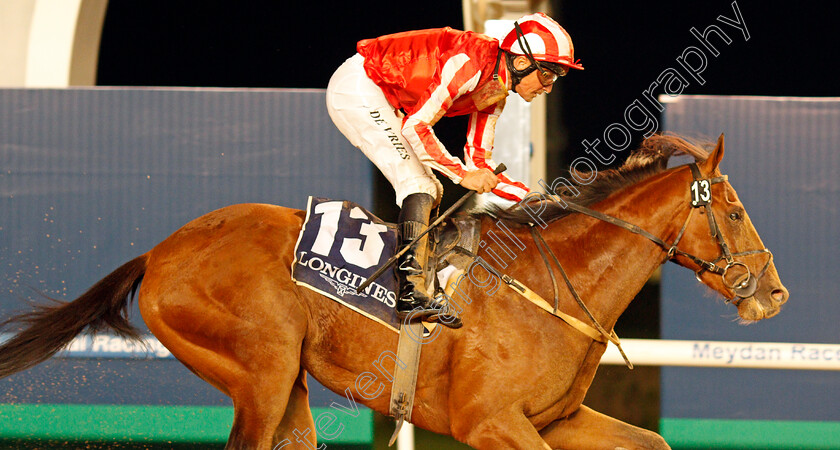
[435, 155]
[418, 131]
[458, 77]
[478, 152]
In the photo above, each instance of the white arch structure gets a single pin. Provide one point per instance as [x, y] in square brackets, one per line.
[50, 43]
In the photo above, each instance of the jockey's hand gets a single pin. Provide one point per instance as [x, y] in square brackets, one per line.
[481, 180]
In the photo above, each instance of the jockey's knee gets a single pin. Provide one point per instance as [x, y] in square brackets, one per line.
[419, 185]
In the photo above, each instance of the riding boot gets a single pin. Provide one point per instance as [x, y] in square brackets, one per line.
[411, 266]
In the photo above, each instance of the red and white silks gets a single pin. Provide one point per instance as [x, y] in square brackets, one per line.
[427, 74]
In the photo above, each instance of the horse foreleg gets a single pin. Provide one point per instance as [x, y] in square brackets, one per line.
[587, 429]
[507, 429]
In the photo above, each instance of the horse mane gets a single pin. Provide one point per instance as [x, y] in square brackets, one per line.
[649, 159]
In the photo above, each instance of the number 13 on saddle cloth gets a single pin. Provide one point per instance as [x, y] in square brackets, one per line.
[340, 245]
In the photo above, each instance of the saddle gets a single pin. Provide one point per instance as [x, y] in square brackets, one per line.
[454, 246]
[456, 241]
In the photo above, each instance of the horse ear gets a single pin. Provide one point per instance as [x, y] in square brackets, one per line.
[714, 159]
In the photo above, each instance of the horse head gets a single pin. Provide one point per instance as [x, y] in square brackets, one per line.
[720, 244]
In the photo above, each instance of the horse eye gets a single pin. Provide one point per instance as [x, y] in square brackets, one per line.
[735, 216]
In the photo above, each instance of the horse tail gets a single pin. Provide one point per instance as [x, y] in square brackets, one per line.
[49, 328]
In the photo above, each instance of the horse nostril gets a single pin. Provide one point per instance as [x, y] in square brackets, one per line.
[779, 295]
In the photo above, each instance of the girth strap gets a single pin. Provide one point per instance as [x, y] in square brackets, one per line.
[611, 336]
[535, 298]
[597, 334]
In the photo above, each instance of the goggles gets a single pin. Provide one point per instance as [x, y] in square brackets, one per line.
[548, 77]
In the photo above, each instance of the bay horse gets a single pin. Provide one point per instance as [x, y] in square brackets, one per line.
[218, 294]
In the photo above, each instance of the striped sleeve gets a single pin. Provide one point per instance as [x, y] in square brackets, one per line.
[478, 152]
[457, 77]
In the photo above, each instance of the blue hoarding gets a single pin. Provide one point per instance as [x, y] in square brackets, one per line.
[782, 158]
[90, 178]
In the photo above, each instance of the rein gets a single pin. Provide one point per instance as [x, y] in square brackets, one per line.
[744, 287]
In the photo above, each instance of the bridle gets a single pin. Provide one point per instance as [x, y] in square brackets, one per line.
[743, 286]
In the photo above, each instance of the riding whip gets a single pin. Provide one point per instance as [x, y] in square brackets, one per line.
[499, 169]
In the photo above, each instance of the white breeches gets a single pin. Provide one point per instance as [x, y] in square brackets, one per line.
[361, 112]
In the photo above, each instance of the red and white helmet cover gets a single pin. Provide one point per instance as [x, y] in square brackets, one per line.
[546, 38]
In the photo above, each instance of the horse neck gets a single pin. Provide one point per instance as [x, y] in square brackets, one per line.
[609, 265]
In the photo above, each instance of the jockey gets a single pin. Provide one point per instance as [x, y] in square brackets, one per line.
[386, 98]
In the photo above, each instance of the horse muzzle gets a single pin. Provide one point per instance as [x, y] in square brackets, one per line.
[764, 303]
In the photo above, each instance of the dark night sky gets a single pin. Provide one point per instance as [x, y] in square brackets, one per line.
[623, 45]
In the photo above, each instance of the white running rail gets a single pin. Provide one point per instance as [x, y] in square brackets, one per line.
[752, 355]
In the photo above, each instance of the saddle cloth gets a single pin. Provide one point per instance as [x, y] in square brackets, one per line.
[341, 244]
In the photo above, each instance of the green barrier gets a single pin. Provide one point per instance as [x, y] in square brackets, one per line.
[143, 423]
[749, 434]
